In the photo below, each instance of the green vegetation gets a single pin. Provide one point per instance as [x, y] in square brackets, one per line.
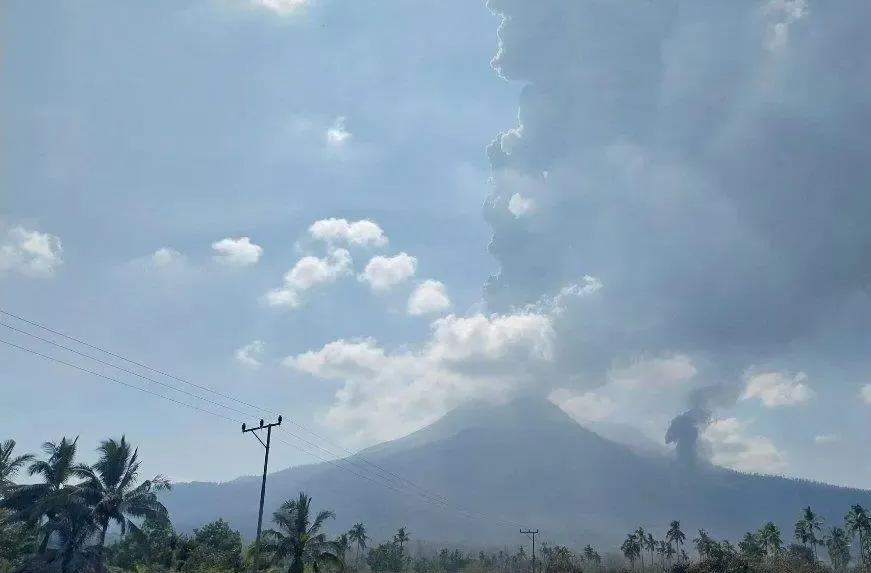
[61, 523]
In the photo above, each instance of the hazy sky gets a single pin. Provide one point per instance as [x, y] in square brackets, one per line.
[291, 203]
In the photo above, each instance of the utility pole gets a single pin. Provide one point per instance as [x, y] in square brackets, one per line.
[266, 444]
[531, 533]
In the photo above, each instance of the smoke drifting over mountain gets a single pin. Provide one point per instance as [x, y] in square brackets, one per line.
[706, 161]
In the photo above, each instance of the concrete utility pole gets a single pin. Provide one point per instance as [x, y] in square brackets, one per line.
[531, 533]
[266, 444]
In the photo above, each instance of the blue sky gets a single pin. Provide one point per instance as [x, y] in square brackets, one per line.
[170, 164]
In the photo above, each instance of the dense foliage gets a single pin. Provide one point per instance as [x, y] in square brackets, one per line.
[61, 524]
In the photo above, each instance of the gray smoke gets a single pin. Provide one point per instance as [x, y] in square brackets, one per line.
[707, 161]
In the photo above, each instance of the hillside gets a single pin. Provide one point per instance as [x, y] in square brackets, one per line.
[524, 463]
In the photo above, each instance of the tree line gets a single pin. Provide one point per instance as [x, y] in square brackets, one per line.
[60, 523]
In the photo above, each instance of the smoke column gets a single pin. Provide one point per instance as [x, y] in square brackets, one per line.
[706, 161]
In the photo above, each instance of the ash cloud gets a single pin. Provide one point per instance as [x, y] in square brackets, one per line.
[707, 161]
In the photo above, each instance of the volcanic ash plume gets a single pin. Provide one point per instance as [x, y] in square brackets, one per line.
[684, 432]
[706, 161]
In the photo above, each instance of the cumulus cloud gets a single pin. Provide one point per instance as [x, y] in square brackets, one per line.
[734, 447]
[168, 259]
[354, 233]
[239, 252]
[520, 205]
[428, 297]
[827, 438]
[713, 178]
[385, 394]
[383, 273]
[308, 272]
[336, 134]
[250, 354]
[775, 389]
[30, 252]
[865, 393]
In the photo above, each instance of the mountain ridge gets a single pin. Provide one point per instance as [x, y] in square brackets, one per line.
[522, 463]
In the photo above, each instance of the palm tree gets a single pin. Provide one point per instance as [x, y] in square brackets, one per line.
[10, 465]
[858, 522]
[401, 538]
[674, 536]
[631, 548]
[358, 536]
[592, 556]
[769, 537]
[806, 529]
[299, 541]
[43, 500]
[650, 545]
[343, 544]
[837, 544]
[73, 524]
[111, 486]
[640, 538]
[703, 544]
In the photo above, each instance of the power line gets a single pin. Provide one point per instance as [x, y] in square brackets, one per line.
[186, 405]
[111, 379]
[388, 474]
[425, 494]
[423, 491]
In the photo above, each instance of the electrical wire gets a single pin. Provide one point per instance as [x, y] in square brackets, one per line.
[419, 491]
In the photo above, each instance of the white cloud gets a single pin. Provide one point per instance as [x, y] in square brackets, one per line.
[388, 394]
[250, 354]
[307, 273]
[733, 447]
[775, 389]
[239, 252]
[336, 134]
[583, 406]
[166, 258]
[865, 393]
[827, 438]
[30, 252]
[383, 273]
[429, 297]
[281, 6]
[520, 205]
[356, 233]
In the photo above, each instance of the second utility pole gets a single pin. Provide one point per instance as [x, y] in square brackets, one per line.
[533, 533]
[266, 445]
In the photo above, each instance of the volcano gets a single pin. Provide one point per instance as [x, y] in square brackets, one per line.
[481, 472]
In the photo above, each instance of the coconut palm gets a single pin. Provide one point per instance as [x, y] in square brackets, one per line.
[298, 541]
[10, 465]
[640, 539]
[837, 544]
[769, 537]
[674, 536]
[111, 486]
[358, 537]
[401, 537]
[858, 522]
[343, 545]
[39, 503]
[806, 529]
[631, 548]
[73, 525]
